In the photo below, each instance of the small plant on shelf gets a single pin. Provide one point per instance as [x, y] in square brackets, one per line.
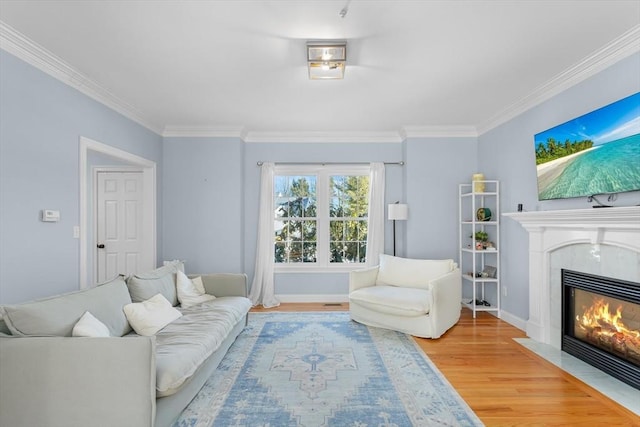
[481, 238]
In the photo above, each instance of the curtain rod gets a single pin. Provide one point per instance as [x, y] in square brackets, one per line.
[260, 163]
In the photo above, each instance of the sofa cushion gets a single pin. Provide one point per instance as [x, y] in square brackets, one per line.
[57, 315]
[184, 344]
[191, 291]
[393, 300]
[415, 273]
[148, 317]
[143, 286]
[89, 326]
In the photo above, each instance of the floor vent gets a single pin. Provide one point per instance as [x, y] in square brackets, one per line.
[332, 304]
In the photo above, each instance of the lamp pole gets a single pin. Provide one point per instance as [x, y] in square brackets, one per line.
[397, 211]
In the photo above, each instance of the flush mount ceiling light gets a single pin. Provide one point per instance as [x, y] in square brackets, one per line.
[326, 59]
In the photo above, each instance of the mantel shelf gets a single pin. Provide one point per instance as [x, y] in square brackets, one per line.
[626, 217]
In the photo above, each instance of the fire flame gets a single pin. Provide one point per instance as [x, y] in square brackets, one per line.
[599, 315]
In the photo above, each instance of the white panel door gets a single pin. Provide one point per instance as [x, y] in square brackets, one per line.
[119, 231]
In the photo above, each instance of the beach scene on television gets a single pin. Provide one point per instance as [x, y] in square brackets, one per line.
[598, 153]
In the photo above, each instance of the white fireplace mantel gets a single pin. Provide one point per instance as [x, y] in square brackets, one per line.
[551, 230]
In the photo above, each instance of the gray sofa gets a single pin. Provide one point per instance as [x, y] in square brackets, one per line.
[49, 378]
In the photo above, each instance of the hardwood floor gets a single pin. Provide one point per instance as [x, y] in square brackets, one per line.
[503, 382]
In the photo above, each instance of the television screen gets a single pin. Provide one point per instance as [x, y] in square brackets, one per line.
[598, 153]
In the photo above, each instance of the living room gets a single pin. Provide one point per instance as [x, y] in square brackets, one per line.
[207, 180]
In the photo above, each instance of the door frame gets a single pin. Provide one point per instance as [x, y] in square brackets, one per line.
[149, 184]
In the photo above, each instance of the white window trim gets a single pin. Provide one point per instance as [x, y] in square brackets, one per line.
[322, 226]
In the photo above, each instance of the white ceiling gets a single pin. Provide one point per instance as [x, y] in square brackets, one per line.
[225, 67]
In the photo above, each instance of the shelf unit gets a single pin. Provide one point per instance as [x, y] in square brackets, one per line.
[478, 282]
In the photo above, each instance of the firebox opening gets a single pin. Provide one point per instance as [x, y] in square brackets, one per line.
[601, 323]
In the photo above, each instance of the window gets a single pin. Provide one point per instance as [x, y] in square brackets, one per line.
[321, 216]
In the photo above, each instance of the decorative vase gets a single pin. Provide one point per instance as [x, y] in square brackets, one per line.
[478, 183]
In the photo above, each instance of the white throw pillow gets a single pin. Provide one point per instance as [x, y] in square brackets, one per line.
[191, 292]
[148, 317]
[89, 326]
[412, 273]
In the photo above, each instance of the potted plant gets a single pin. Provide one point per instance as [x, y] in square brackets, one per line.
[481, 238]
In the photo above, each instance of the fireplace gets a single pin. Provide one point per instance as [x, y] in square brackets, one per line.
[601, 323]
[607, 242]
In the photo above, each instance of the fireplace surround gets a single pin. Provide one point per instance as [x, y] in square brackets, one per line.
[603, 241]
[601, 323]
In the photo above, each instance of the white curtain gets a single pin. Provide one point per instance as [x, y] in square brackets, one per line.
[263, 286]
[375, 236]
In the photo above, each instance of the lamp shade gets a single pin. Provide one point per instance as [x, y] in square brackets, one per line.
[398, 212]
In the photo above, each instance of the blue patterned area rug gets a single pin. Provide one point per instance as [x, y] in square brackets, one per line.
[322, 369]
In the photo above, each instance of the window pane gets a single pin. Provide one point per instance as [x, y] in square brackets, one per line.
[295, 196]
[362, 252]
[280, 252]
[336, 230]
[352, 252]
[309, 231]
[336, 209]
[351, 230]
[310, 252]
[362, 230]
[295, 252]
[337, 251]
[349, 196]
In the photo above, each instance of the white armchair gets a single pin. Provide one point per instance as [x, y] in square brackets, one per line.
[417, 297]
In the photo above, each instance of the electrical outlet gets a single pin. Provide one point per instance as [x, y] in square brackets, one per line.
[504, 291]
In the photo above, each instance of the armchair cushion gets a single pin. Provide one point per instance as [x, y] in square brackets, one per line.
[413, 273]
[391, 300]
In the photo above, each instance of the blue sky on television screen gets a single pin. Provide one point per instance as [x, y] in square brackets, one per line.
[610, 123]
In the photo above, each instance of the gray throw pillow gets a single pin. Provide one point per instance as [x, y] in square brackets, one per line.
[143, 286]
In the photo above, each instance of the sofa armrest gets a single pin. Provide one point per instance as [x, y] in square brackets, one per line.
[446, 292]
[64, 381]
[362, 278]
[225, 284]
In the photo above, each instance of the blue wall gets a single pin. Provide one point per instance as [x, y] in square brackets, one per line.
[203, 194]
[506, 153]
[41, 121]
[435, 168]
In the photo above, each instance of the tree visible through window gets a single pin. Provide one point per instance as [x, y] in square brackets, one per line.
[321, 217]
[348, 218]
[296, 223]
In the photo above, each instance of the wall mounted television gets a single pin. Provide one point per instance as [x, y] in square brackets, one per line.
[597, 153]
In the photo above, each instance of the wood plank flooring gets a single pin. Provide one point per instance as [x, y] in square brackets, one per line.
[503, 382]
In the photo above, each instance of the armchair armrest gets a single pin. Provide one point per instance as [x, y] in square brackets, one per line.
[224, 284]
[64, 381]
[446, 292]
[362, 278]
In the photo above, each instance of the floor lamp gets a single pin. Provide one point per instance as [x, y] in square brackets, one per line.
[397, 212]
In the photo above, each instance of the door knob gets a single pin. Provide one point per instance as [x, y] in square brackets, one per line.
[100, 245]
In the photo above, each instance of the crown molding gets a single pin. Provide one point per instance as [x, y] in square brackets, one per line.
[622, 47]
[323, 137]
[32, 53]
[203, 131]
[320, 137]
[459, 131]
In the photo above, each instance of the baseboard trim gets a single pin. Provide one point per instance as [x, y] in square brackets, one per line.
[312, 298]
[513, 320]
